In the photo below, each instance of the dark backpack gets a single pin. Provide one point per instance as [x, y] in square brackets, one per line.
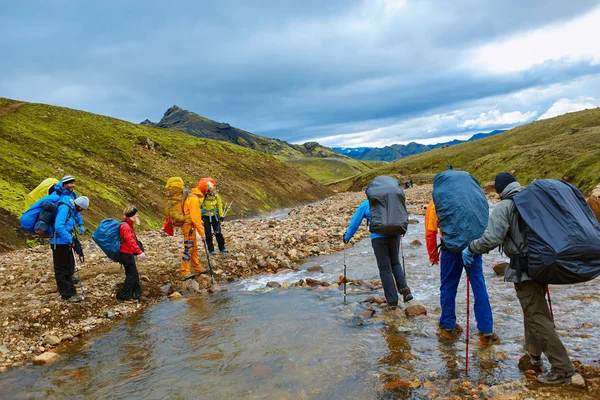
[387, 208]
[461, 207]
[562, 232]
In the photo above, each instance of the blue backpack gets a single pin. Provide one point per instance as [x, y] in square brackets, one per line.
[462, 209]
[108, 238]
[39, 218]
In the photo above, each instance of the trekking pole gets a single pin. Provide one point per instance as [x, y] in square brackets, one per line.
[344, 273]
[212, 281]
[78, 275]
[402, 252]
[468, 270]
[550, 304]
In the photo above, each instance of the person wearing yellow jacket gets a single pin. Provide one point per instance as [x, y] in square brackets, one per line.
[191, 225]
[212, 215]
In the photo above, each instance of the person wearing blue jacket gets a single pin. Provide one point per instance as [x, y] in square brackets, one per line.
[66, 187]
[61, 244]
[386, 249]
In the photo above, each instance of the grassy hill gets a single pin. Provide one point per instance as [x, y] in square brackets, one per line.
[331, 170]
[117, 163]
[568, 144]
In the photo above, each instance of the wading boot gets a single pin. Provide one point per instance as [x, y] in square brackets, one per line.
[406, 294]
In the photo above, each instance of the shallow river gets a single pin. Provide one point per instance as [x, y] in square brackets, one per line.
[246, 342]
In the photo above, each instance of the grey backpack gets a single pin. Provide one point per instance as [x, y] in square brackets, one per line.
[387, 208]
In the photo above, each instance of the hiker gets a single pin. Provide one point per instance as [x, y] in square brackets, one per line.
[458, 212]
[191, 225]
[411, 182]
[66, 187]
[130, 248]
[385, 246]
[212, 216]
[540, 335]
[62, 245]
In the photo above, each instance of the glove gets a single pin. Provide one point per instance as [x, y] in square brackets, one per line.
[467, 256]
[81, 229]
[142, 256]
[78, 249]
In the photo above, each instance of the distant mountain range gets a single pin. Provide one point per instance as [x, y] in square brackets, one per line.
[178, 119]
[398, 151]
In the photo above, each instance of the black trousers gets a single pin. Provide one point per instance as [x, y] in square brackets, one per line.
[131, 287]
[390, 271]
[212, 224]
[64, 268]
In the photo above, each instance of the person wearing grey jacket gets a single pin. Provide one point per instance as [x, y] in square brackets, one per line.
[505, 229]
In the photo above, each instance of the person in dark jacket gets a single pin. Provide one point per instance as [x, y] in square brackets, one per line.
[540, 335]
[130, 248]
[386, 249]
[62, 246]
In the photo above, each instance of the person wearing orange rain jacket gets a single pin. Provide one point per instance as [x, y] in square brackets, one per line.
[450, 273]
[193, 223]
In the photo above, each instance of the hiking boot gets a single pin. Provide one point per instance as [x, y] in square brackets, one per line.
[406, 294]
[74, 299]
[490, 338]
[188, 276]
[75, 280]
[213, 253]
[528, 362]
[224, 251]
[142, 299]
[450, 334]
[555, 378]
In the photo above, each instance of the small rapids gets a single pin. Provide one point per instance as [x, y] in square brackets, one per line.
[249, 341]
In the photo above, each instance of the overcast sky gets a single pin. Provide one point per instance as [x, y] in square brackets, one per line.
[340, 72]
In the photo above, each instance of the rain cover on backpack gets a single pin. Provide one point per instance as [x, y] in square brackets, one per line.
[387, 208]
[108, 237]
[461, 208]
[562, 231]
[176, 194]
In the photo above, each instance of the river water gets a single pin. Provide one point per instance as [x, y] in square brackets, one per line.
[249, 342]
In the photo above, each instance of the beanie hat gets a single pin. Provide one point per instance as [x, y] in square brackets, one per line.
[502, 180]
[82, 202]
[67, 179]
[130, 211]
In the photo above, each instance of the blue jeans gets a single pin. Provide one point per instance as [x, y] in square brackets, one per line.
[451, 270]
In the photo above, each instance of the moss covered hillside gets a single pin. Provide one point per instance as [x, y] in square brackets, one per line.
[117, 163]
[331, 170]
[568, 144]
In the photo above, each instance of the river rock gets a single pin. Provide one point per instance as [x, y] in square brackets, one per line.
[52, 340]
[356, 321]
[167, 289]
[577, 381]
[313, 282]
[45, 358]
[368, 313]
[504, 391]
[413, 221]
[594, 203]
[499, 268]
[416, 242]
[4, 350]
[273, 284]
[316, 268]
[413, 309]
[175, 295]
[374, 299]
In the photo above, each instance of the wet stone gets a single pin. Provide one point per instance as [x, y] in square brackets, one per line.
[45, 358]
[414, 309]
[52, 340]
[356, 321]
[273, 284]
[313, 282]
[368, 313]
[499, 268]
[416, 243]
[167, 289]
[578, 381]
[316, 268]
[504, 391]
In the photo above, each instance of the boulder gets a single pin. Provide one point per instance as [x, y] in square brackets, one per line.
[52, 340]
[273, 284]
[45, 358]
[578, 381]
[594, 203]
[413, 309]
[499, 268]
[313, 282]
[316, 268]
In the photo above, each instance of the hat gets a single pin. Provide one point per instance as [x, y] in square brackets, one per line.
[130, 211]
[82, 202]
[67, 179]
[203, 186]
[502, 180]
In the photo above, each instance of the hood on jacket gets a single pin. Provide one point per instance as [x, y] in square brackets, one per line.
[512, 189]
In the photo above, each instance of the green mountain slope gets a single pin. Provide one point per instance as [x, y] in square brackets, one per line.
[330, 170]
[117, 162]
[568, 144]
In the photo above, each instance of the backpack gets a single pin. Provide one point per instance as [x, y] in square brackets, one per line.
[43, 189]
[176, 194]
[562, 232]
[39, 218]
[462, 209]
[387, 208]
[107, 237]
